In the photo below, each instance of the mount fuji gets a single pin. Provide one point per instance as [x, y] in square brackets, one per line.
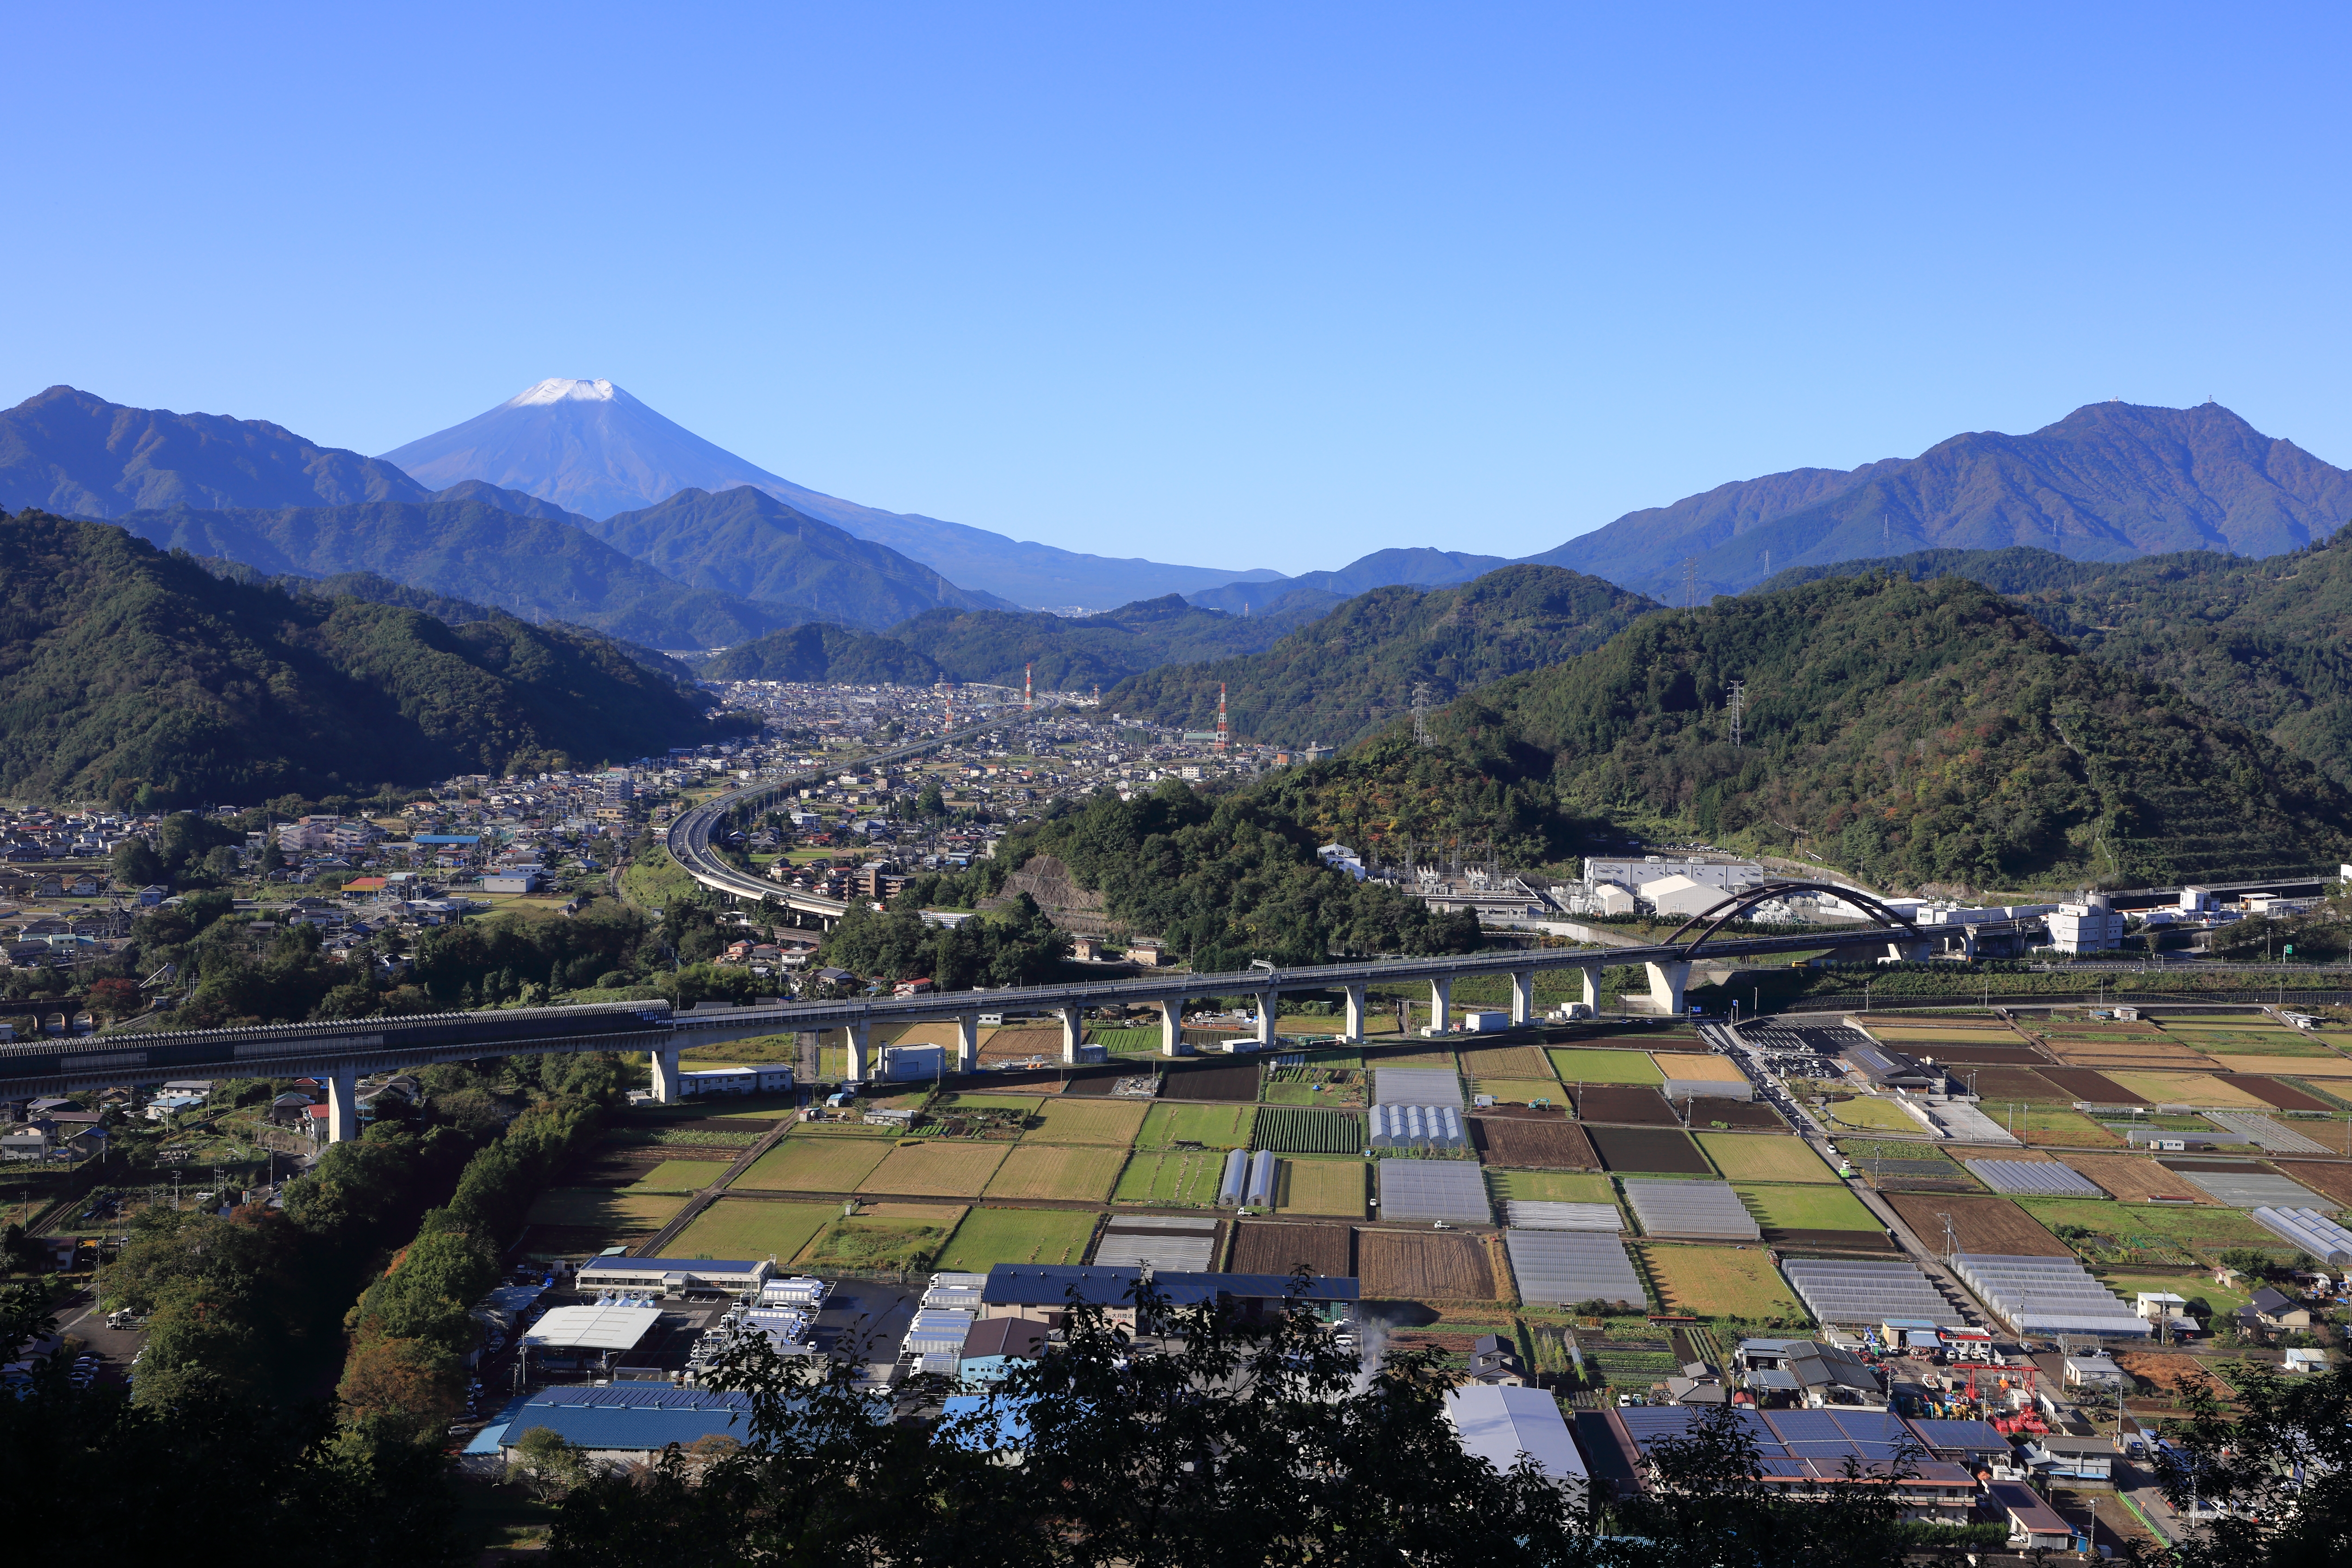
[590, 447]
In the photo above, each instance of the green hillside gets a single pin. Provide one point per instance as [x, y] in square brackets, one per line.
[820, 653]
[122, 664]
[1917, 733]
[1073, 653]
[1345, 675]
[2264, 641]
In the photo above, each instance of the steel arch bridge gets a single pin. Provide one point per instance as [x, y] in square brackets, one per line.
[1730, 907]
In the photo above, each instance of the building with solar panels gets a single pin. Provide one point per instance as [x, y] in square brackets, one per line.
[1804, 1454]
[1808, 1373]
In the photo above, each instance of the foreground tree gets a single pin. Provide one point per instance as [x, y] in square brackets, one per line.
[2278, 1467]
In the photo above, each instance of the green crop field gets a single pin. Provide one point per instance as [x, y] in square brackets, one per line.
[1576, 1066]
[1721, 1281]
[1807, 1208]
[1763, 1157]
[610, 1209]
[1551, 1186]
[876, 1245]
[1879, 1115]
[1212, 1126]
[1319, 1186]
[1078, 1172]
[1113, 1121]
[680, 1177]
[1291, 1130]
[2197, 1228]
[1187, 1177]
[802, 1164]
[1125, 1042]
[751, 1229]
[1026, 1104]
[989, 1236]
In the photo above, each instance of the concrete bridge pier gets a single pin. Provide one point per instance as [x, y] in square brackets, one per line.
[343, 1103]
[1171, 1028]
[967, 1042]
[668, 1088]
[1440, 1003]
[861, 1050]
[1266, 1003]
[1355, 1012]
[1070, 1033]
[1591, 990]
[1667, 983]
[1523, 997]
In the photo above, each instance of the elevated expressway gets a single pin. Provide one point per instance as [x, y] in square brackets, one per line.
[338, 1052]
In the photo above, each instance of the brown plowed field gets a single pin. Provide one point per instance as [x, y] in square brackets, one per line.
[2166, 1371]
[2084, 1083]
[1648, 1149]
[1504, 1061]
[1237, 1081]
[2155, 1054]
[1636, 1104]
[1830, 1240]
[1988, 1055]
[2136, 1180]
[1423, 1266]
[1264, 1247]
[1992, 1225]
[1556, 1144]
[2014, 1083]
[2331, 1181]
[1929, 1021]
[2286, 1096]
[1016, 1045]
[1754, 1116]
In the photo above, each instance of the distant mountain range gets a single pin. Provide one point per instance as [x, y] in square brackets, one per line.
[592, 448]
[2109, 481]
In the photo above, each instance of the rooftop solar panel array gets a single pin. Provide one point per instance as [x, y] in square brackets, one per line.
[1416, 1086]
[1451, 1190]
[1819, 1442]
[1709, 1210]
[1868, 1290]
[1538, 1215]
[2048, 1296]
[2265, 1130]
[2045, 1178]
[1563, 1268]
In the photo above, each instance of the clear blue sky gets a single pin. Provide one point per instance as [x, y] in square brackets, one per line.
[1242, 286]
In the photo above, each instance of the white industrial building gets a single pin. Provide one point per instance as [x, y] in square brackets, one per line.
[1498, 1421]
[2092, 926]
[767, 1077]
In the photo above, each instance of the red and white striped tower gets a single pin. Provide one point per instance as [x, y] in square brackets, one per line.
[950, 707]
[1224, 735]
[1028, 697]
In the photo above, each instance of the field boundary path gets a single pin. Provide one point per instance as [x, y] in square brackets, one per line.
[652, 1246]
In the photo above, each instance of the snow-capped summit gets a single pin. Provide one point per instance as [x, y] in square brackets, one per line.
[561, 389]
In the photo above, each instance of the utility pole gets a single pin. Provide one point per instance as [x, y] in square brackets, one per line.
[1737, 707]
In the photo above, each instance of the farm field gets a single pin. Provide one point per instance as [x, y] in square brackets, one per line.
[1751, 1157]
[811, 1165]
[1807, 1208]
[888, 1244]
[1308, 1094]
[992, 1236]
[1658, 1150]
[1550, 1187]
[1182, 1177]
[1237, 1081]
[2188, 1089]
[1319, 1185]
[1026, 1104]
[1212, 1126]
[751, 1228]
[1576, 1066]
[1552, 1143]
[1752, 1115]
[1985, 1225]
[2333, 1182]
[2284, 1095]
[1263, 1247]
[2320, 1064]
[2207, 1230]
[1720, 1282]
[680, 1176]
[1423, 1265]
[1691, 1067]
[2089, 1084]
[610, 1209]
[1521, 1090]
[1872, 1114]
[936, 1168]
[1112, 1122]
[1506, 1062]
[2187, 1284]
[1079, 1172]
[2048, 1126]
[1289, 1130]
[1632, 1103]
[2135, 1178]
[2002, 1083]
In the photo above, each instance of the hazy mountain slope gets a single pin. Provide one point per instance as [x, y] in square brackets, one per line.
[122, 664]
[2267, 642]
[745, 542]
[1417, 568]
[69, 452]
[2109, 481]
[590, 447]
[1915, 734]
[1075, 653]
[842, 655]
[1345, 675]
[534, 567]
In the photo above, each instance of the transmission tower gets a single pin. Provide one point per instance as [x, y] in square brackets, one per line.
[1028, 696]
[1224, 736]
[1420, 735]
[1737, 707]
[1690, 582]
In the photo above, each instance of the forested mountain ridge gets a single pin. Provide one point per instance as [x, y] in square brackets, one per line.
[2266, 642]
[124, 666]
[473, 549]
[2109, 481]
[1071, 653]
[1344, 676]
[819, 652]
[1916, 734]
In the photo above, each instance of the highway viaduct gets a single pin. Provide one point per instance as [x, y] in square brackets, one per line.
[339, 1052]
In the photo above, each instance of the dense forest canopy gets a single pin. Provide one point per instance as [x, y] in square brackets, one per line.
[119, 662]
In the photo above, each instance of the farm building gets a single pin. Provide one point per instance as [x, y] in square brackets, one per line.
[628, 1424]
[764, 1078]
[1497, 1422]
[1043, 1291]
[674, 1276]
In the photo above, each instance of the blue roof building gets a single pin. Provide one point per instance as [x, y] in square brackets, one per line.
[625, 1423]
